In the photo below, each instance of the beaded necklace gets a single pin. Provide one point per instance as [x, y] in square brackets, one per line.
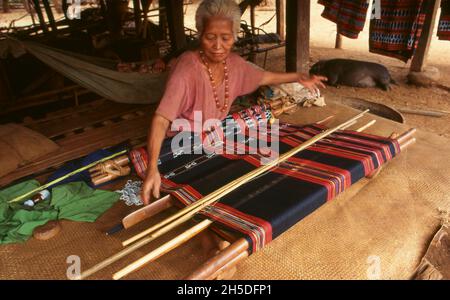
[213, 83]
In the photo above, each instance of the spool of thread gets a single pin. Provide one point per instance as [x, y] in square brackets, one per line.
[41, 196]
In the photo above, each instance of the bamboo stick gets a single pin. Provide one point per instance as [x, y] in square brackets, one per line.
[158, 252]
[406, 135]
[407, 143]
[324, 121]
[43, 187]
[197, 206]
[349, 125]
[156, 207]
[371, 123]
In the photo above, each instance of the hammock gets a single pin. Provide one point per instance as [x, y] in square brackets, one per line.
[95, 74]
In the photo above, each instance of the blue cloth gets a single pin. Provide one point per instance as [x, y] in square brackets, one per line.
[81, 162]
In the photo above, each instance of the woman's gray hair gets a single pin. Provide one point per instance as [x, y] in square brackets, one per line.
[227, 9]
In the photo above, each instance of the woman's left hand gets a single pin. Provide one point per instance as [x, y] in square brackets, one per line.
[312, 83]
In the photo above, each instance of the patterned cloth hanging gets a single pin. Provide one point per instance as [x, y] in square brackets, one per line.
[270, 204]
[397, 32]
[444, 21]
[349, 15]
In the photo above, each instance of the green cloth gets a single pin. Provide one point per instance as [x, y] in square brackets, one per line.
[74, 201]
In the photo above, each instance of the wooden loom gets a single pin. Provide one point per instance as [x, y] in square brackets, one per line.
[230, 256]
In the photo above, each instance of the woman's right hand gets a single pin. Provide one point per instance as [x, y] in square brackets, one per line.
[151, 185]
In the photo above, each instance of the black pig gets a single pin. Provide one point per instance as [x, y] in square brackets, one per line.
[353, 73]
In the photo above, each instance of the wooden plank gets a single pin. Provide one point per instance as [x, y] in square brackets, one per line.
[420, 56]
[107, 111]
[67, 112]
[80, 145]
[281, 19]
[297, 35]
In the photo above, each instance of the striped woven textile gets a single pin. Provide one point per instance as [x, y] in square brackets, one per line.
[267, 206]
[349, 15]
[398, 31]
[240, 121]
[444, 21]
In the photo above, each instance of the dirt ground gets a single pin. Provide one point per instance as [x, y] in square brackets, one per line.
[322, 47]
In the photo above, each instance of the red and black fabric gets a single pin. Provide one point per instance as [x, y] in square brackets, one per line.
[349, 15]
[267, 206]
[397, 32]
[444, 21]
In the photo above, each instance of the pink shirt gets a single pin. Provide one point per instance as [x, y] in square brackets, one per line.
[189, 88]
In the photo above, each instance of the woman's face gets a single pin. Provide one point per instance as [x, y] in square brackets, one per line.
[217, 39]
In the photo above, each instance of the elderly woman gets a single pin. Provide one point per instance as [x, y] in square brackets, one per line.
[208, 80]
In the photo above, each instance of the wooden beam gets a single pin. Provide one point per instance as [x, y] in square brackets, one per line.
[50, 16]
[137, 15]
[297, 35]
[5, 5]
[6, 92]
[281, 18]
[420, 56]
[338, 43]
[37, 8]
[175, 19]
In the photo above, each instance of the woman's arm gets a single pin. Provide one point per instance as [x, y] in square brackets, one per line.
[312, 83]
[156, 135]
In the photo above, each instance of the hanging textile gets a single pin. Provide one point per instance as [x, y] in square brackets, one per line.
[397, 32]
[348, 15]
[267, 206]
[98, 75]
[444, 21]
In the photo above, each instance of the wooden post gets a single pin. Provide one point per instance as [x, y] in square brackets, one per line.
[50, 16]
[6, 93]
[137, 16]
[5, 6]
[297, 35]
[420, 56]
[338, 43]
[37, 8]
[280, 10]
[175, 19]
[252, 56]
[252, 19]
